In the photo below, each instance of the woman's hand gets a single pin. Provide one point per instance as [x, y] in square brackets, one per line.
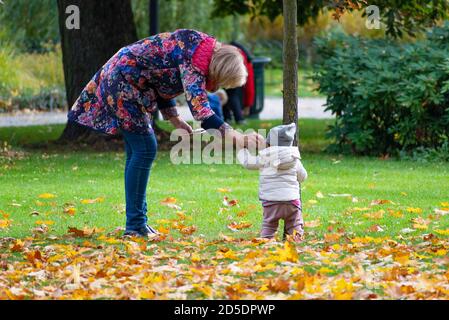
[179, 123]
[248, 140]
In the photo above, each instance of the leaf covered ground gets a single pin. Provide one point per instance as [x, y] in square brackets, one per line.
[375, 229]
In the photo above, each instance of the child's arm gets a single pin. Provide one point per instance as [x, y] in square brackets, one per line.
[247, 160]
[301, 172]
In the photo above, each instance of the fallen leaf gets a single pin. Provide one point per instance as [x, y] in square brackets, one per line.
[319, 195]
[45, 222]
[188, 230]
[168, 200]
[85, 232]
[313, 223]
[171, 203]
[70, 211]
[234, 226]
[229, 203]
[420, 223]
[91, 201]
[375, 228]
[332, 237]
[241, 214]
[443, 232]
[279, 285]
[374, 215]
[414, 210]
[47, 196]
[380, 202]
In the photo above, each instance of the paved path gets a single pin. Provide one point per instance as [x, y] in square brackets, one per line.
[308, 108]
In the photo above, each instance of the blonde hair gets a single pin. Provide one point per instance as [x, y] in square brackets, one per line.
[227, 67]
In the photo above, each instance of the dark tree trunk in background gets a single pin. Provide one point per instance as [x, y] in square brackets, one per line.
[154, 17]
[162, 136]
[290, 63]
[105, 27]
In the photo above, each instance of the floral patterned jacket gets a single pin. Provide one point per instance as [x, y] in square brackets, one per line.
[147, 75]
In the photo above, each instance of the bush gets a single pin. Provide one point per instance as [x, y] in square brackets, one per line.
[388, 97]
[8, 75]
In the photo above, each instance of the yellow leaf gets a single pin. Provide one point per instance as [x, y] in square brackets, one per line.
[146, 295]
[325, 270]
[91, 201]
[71, 211]
[443, 232]
[414, 210]
[230, 255]
[444, 204]
[163, 230]
[375, 215]
[46, 222]
[223, 190]
[312, 201]
[288, 253]
[343, 289]
[420, 226]
[47, 196]
[195, 258]
[420, 223]
[5, 223]
[402, 258]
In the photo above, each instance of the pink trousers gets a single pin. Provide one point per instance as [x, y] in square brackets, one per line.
[290, 213]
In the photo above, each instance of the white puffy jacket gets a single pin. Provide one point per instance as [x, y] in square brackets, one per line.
[281, 171]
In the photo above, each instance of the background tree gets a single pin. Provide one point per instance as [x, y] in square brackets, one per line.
[398, 16]
[105, 27]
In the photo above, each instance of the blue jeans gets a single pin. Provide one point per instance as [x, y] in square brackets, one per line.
[140, 153]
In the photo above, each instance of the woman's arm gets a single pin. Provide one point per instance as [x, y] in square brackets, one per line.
[170, 113]
[196, 95]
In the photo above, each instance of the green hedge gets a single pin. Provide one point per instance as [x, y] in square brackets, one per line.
[389, 98]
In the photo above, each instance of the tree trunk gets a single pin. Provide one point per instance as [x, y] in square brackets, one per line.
[290, 63]
[105, 27]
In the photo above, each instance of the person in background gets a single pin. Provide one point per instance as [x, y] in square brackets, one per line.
[241, 99]
[216, 101]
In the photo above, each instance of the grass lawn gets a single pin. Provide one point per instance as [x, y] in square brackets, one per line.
[367, 220]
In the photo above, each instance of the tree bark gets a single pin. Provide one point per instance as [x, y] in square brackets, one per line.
[290, 63]
[105, 27]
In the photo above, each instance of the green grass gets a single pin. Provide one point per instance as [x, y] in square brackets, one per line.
[88, 175]
[306, 86]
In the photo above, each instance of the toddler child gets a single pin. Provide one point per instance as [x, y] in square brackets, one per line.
[281, 172]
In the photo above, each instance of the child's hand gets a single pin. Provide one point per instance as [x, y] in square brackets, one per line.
[301, 172]
[251, 140]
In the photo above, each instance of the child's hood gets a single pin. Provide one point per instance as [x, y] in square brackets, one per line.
[280, 157]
